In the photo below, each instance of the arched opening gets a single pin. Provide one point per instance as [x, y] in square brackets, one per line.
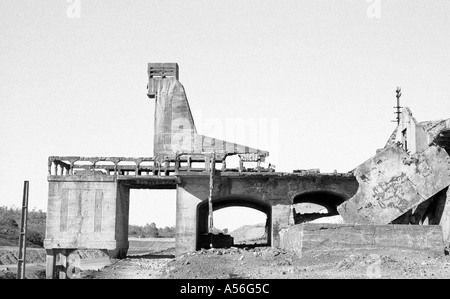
[225, 205]
[314, 205]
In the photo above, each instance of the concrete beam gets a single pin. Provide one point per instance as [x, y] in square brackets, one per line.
[393, 182]
[312, 236]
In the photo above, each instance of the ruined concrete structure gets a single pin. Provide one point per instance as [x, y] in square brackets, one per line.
[88, 201]
[314, 236]
[393, 182]
[407, 181]
[175, 131]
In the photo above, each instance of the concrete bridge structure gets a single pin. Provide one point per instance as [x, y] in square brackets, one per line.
[88, 203]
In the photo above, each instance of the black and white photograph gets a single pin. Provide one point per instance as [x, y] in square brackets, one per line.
[223, 146]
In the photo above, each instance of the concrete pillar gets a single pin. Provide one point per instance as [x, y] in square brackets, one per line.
[186, 220]
[51, 264]
[64, 263]
[122, 221]
[280, 220]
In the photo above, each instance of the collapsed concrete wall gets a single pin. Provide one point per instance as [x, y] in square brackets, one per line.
[393, 182]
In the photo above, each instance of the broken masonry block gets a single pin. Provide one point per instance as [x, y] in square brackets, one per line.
[393, 182]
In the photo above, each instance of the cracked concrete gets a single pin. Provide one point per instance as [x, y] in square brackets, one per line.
[307, 236]
[393, 182]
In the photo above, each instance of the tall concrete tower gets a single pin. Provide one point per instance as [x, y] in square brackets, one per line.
[175, 130]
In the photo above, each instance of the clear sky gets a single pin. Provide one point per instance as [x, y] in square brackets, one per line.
[320, 75]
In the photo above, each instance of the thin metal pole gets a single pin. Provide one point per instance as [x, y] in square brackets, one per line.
[23, 233]
[210, 206]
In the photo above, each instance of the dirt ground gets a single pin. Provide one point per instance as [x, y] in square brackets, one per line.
[86, 260]
[270, 263]
[36, 258]
[155, 259]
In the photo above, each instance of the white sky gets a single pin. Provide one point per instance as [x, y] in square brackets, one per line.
[323, 73]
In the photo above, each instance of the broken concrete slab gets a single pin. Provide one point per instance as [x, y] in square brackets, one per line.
[308, 236]
[393, 182]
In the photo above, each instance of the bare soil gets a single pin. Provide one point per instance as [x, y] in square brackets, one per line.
[270, 263]
[142, 246]
[155, 259]
[88, 260]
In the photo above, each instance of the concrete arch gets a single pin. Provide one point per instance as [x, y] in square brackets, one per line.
[222, 202]
[325, 198]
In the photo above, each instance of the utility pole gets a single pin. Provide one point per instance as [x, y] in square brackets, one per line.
[210, 206]
[398, 111]
[23, 234]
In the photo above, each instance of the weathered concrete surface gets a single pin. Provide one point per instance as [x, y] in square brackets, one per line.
[272, 194]
[186, 216]
[175, 129]
[314, 236]
[87, 212]
[280, 220]
[393, 182]
[418, 136]
[280, 188]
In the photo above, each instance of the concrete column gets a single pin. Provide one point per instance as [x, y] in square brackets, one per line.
[280, 220]
[51, 264]
[64, 263]
[122, 221]
[186, 220]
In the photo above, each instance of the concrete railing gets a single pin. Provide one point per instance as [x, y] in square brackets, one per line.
[69, 165]
[143, 166]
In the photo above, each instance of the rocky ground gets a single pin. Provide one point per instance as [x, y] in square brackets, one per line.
[270, 263]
